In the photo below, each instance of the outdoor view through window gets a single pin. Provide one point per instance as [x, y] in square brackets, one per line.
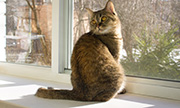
[25, 31]
[151, 34]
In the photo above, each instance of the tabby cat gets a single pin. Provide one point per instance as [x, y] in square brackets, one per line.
[96, 72]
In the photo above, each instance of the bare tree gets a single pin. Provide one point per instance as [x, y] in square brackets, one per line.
[34, 10]
[28, 14]
[45, 59]
[135, 15]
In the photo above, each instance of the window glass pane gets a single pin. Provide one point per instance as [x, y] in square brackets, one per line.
[25, 29]
[151, 34]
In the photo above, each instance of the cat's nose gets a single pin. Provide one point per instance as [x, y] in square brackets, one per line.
[97, 25]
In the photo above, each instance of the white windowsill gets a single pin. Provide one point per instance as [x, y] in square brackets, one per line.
[19, 92]
[149, 87]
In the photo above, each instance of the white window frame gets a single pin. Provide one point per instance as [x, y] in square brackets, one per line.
[59, 26]
[62, 15]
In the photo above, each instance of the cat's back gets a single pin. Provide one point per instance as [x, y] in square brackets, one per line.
[92, 60]
[87, 40]
[89, 47]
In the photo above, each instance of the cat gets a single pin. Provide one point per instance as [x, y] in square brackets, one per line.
[96, 71]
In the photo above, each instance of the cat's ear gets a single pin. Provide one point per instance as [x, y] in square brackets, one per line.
[90, 12]
[110, 7]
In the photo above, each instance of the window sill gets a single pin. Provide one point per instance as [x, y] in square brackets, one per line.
[19, 92]
[149, 87]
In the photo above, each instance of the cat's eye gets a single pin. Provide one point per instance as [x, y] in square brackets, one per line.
[103, 18]
[93, 22]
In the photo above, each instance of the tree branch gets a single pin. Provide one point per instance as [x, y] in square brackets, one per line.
[29, 4]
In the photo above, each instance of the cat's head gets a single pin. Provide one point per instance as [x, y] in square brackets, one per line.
[105, 21]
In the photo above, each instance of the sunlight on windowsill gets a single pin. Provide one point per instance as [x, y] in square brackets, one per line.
[20, 91]
[17, 92]
[2, 82]
[14, 93]
[115, 103]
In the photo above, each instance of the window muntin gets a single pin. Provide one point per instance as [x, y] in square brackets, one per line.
[26, 34]
[151, 34]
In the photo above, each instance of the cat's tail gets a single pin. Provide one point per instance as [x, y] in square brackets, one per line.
[51, 93]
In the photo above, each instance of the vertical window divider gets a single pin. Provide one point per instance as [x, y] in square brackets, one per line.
[57, 36]
[69, 34]
[63, 31]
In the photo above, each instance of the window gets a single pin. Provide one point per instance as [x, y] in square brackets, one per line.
[62, 42]
[151, 35]
[59, 24]
[26, 31]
